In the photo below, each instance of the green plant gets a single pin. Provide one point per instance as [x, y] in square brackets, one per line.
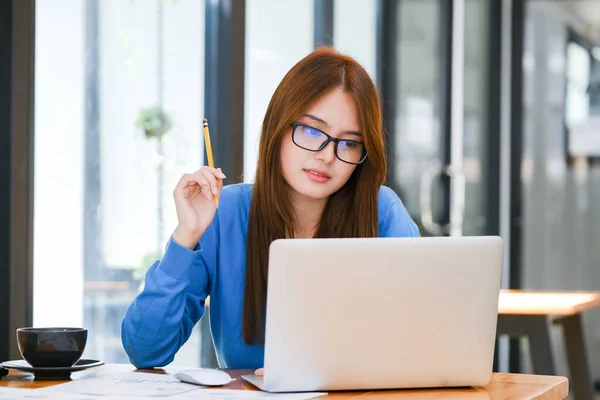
[153, 121]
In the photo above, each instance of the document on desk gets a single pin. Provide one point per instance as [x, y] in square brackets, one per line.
[201, 394]
[38, 394]
[16, 394]
[226, 394]
[165, 386]
[140, 384]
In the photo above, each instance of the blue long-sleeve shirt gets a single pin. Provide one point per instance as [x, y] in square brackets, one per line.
[160, 320]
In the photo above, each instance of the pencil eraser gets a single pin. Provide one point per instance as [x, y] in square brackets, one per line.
[204, 120]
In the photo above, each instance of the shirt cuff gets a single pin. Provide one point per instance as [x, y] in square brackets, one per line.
[177, 260]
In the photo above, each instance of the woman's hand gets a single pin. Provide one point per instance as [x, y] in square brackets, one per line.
[260, 372]
[195, 205]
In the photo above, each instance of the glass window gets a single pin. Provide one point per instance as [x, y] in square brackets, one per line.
[419, 141]
[354, 31]
[118, 115]
[475, 163]
[577, 100]
[274, 43]
[559, 194]
[417, 127]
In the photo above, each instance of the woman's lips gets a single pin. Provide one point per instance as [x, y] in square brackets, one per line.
[317, 176]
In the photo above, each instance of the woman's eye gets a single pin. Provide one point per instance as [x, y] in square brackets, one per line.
[351, 145]
[312, 132]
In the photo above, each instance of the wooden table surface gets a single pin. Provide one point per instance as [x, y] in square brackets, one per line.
[529, 302]
[502, 386]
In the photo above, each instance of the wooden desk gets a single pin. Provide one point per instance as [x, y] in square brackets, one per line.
[502, 386]
[546, 303]
[532, 313]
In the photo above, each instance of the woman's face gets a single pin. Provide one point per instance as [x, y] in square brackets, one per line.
[319, 174]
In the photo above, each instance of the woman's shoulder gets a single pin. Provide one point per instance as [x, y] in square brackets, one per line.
[237, 190]
[236, 197]
[394, 219]
[387, 197]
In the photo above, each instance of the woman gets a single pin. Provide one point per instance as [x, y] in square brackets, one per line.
[320, 172]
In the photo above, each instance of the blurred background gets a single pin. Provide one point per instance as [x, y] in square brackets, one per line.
[492, 112]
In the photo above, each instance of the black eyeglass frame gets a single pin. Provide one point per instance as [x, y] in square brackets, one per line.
[329, 139]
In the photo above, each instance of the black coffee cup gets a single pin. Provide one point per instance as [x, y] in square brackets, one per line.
[51, 347]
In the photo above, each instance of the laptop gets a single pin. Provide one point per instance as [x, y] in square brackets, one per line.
[380, 313]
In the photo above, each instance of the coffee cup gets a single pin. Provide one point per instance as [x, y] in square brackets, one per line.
[51, 347]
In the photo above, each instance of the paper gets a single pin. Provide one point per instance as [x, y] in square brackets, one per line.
[140, 384]
[13, 394]
[131, 385]
[226, 394]
[38, 394]
[196, 394]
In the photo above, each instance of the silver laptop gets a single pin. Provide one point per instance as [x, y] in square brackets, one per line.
[380, 313]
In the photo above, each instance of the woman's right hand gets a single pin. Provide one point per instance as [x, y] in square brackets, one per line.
[195, 204]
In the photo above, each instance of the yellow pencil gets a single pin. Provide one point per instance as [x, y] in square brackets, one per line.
[211, 162]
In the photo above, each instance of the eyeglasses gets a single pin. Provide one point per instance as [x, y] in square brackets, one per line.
[311, 139]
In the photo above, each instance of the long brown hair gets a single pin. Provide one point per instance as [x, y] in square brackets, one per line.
[271, 212]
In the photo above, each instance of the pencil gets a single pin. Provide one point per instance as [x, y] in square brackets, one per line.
[211, 162]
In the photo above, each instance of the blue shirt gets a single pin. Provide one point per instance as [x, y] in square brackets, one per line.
[160, 319]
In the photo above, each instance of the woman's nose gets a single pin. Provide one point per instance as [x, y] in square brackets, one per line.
[327, 153]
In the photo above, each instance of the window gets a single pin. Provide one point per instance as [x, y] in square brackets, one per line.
[106, 72]
[354, 31]
[278, 35]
